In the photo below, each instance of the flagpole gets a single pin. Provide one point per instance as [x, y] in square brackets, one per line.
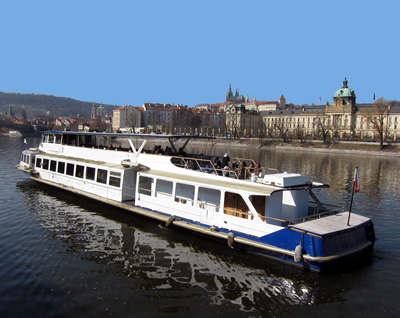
[352, 196]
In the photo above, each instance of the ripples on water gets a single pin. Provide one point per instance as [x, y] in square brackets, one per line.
[65, 256]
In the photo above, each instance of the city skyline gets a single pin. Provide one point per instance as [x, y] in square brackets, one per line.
[189, 53]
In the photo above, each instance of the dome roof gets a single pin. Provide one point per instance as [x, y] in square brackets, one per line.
[345, 91]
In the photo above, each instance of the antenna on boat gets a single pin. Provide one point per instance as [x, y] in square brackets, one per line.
[356, 188]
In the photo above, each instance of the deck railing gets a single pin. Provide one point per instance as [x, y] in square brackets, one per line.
[207, 166]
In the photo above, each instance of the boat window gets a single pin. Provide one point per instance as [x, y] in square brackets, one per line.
[53, 165]
[61, 167]
[164, 188]
[209, 199]
[32, 160]
[90, 173]
[70, 169]
[145, 185]
[45, 165]
[258, 202]
[38, 162]
[58, 139]
[115, 179]
[51, 139]
[79, 171]
[102, 176]
[184, 194]
[235, 205]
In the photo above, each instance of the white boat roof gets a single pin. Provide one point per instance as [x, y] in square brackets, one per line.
[218, 181]
[87, 161]
[165, 136]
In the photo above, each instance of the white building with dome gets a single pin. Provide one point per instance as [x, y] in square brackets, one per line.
[342, 120]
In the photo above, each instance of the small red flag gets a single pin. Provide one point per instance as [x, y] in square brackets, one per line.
[356, 183]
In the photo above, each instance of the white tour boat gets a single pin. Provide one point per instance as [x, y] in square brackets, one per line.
[273, 214]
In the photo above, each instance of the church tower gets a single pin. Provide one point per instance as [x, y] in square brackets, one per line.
[93, 110]
[229, 94]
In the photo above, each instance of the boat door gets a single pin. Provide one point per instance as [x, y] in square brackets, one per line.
[209, 204]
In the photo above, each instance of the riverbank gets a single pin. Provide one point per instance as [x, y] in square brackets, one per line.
[361, 148]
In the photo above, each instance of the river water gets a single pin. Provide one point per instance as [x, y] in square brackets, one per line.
[63, 256]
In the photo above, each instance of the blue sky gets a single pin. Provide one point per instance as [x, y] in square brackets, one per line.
[188, 52]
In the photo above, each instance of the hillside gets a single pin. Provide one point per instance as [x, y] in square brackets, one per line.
[39, 105]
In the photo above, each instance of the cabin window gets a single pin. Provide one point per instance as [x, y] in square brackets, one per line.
[209, 199]
[184, 194]
[61, 167]
[164, 188]
[90, 173]
[79, 171]
[145, 185]
[45, 165]
[53, 165]
[58, 139]
[115, 179]
[70, 169]
[38, 162]
[102, 176]
[258, 202]
[51, 139]
[235, 205]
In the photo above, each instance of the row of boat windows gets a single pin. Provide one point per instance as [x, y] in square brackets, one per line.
[112, 178]
[209, 199]
[25, 158]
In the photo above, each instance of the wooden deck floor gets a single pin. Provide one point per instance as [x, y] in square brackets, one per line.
[332, 223]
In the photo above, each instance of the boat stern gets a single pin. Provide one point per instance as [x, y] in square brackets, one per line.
[331, 242]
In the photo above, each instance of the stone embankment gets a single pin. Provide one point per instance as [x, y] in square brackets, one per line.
[361, 148]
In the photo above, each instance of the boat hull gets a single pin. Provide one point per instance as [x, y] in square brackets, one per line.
[279, 246]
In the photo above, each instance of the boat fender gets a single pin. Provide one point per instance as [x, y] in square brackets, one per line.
[231, 238]
[213, 228]
[298, 253]
[169, 221]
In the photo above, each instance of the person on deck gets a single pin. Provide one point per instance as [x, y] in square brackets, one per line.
[242, 171]
[235, 165]
[225, 160]
[192, 165]
[181, 153]
[217, 163]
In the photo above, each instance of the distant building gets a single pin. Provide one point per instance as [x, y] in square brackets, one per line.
[98, 112]
[343, 119]
[126, 117]
[234, 98]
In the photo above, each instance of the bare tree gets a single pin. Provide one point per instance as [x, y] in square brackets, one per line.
[195, 122]
[323, 125]
[279, 124]
[261, 131]
[132, 121]
[299, 133]
[378, 117]
[233, 124]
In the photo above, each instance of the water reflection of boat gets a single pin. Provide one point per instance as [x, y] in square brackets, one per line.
[160, 263]
[277, 215]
